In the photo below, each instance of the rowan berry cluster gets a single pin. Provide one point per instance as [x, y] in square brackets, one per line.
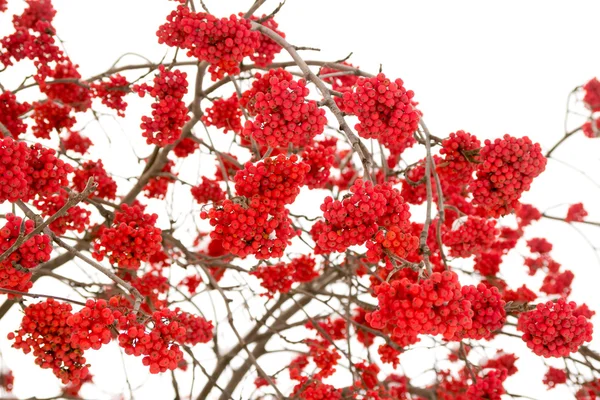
[591, 97]
[385, 111]
[157, 186]
[488, 312]
[169, 112]
[490, 386]
[552, 330]
[46, 173]
[576, 213]
[554, 377]
[208, 191]
[75, 142]
[277, 180]
[283, 115]
[106, 185]
[473, 236]
[488, 263]
[14, 165]
[504, 361]
[358, 218]
[75, 219]
[527, 214]
[267, 48]
[222, 42]
[558, 283]
[45, 332]
[90, 325]
[508, 167]
[10, 111]
[461, 155]
[324, 355]
[310, 389]
[49, 116]
[185, 147]
[433, 306]
[35, 250]
[591, 128]
[112, 92]
[247, 227]
[225, 114]
[343, 81]
[7, 379]
[320, 156]
[74, 94]
[132, 238]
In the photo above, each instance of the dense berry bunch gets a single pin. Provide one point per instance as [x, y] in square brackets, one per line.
[112, 92]
[227, 166]
[488, 263]
[106, 186]
[488, 387]
[591, 128]
[488, 312]
[46, 173]
[7, 379]
[324, 355]
[461, 153]
[504, 361]
[576, 213]
[14, 166]
[433, 306]
[246, 229]
[222, 42]
[91, 324]
[32, 252]
[320, 156]
[551, 330]
[592, 95]
[539, 245]
[157, 186]
[554, 377]
[283, 115]
[277, 180]
[357, 218]
[74, 94]
[384, 110]
[169, 112]
[10, 111]
[49, 116]
[473, 236]
[75, 219]
[197, 329]
[312, 389]
[191, 282]
[508, 167]
[225, 114]
[395, 240]
[303, 269]
[276, 278]
[521, 295]
[158, 348]
[132, 238]
[527, 214]
[185, 147]
[340, 80]
[45, 332]
[77, 143]
[267, 48]
[558, 283]
[208, 191]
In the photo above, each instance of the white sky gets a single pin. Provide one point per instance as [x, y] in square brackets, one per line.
[485, 67]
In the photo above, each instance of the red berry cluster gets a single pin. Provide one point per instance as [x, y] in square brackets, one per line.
[227, 166]
[191, 282]
[223, 42]
[576, 213]
[488, 312]
[112, 92]
[283, 115]
[277, 180]
[591, 97]
[32, 252]
[343, 81]
[132, 238]
[50, 116]
[472, 237]
[358, 218]
[46, 173]
[313, 389]
[75, 219]
[384, 110]
[10, 111]
[433, 306]
[554, 377]
[391, 355]
[539, 245]
[247, 227]
[7, 379]
[552, 330]
[185, 147]
[197, 329]
[504, 361]
[267, 48]
[91, 324]
[508, 167]
[324, 355]
[461, 155]
[208, 191]
[75, 142]
[488, 263]
[280, 277]
[107, 187]
[74, 94]
[488, 387]
[225, 114]
[45, 332]
[527, 214]
[169, 112]
[591, 128]
[558, 283]
[320, 156]
[14, 165]
[157, 186]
